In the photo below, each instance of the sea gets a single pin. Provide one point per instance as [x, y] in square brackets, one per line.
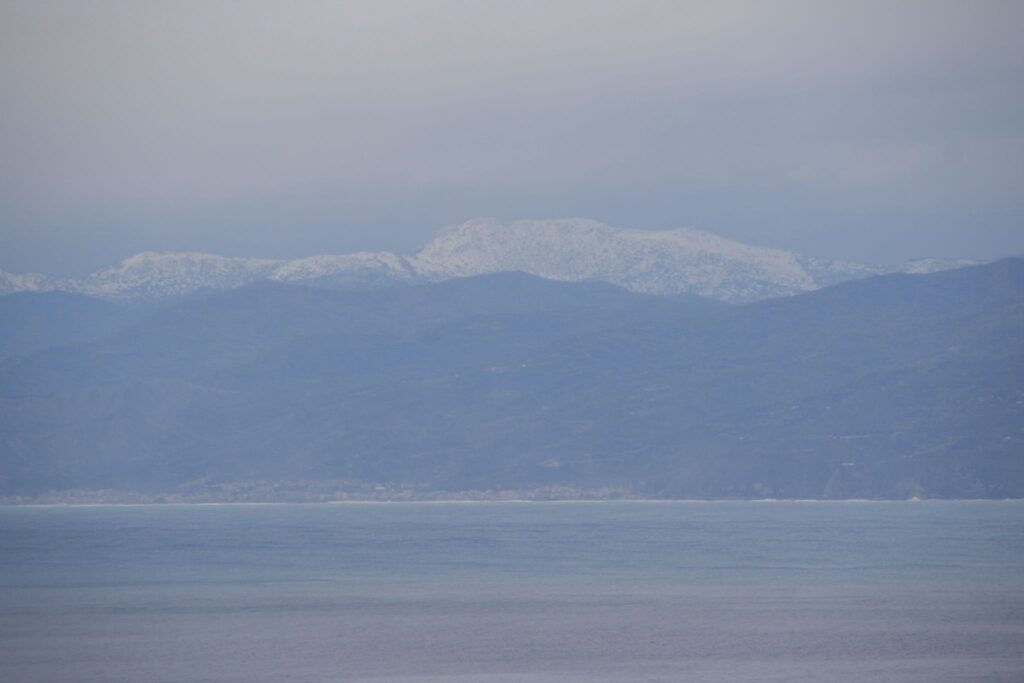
[503, 592]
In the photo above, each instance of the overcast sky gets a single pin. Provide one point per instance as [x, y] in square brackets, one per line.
[861, 130]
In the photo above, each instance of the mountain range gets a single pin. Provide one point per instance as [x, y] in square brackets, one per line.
[665, 262]
[888, 386]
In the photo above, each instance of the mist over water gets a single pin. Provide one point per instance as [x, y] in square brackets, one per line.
[514, 592]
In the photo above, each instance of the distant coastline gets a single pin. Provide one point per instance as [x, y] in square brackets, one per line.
[267, 493]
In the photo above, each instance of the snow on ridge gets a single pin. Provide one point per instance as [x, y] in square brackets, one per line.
[314, 267]
[11, 283]
[923, 266]
[827, 272]
[683, 260]
[172, 273]
[675, 261]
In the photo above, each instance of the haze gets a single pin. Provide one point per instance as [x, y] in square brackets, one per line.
[873, 131]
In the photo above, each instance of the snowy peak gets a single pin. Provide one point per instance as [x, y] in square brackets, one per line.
[654, 262]
[167, 274]
[679, 261]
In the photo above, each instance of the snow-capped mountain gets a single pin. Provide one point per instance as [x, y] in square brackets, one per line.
[680, 261]
[159, 275]
[653, 262]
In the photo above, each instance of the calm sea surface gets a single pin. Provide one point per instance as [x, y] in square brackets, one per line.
[514, 592]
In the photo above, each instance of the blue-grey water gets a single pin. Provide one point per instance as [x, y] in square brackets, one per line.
[514, 592]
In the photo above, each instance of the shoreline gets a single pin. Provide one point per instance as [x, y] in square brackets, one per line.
[523, 501]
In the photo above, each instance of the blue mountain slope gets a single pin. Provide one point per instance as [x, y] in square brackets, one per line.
[886, 387]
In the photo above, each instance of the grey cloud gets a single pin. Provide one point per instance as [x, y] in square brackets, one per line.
[876, 131]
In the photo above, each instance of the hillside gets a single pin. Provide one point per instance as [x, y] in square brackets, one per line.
[886, 387]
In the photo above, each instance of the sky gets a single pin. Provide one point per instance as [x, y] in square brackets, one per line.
[871, 131]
